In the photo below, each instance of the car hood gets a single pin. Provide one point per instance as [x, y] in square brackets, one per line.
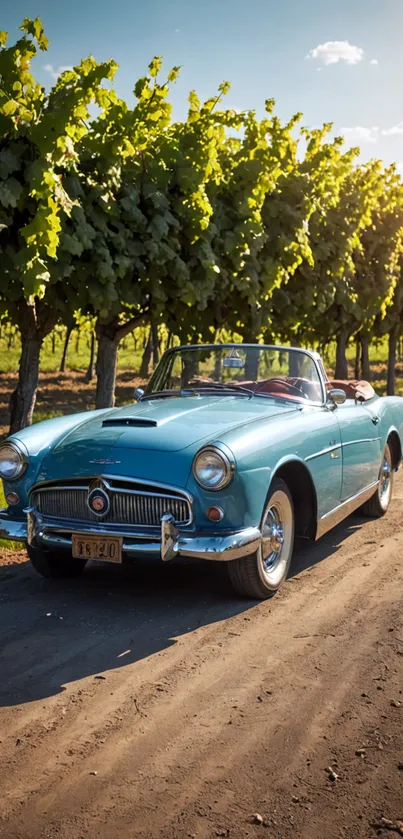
[168, 424]
[153, 440]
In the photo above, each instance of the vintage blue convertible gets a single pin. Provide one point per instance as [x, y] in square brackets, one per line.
[229, 452]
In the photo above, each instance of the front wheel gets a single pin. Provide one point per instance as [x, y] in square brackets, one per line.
[378, 504]
[261, 575]
[55, 563]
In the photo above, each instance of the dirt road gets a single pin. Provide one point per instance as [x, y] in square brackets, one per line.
[154, 704]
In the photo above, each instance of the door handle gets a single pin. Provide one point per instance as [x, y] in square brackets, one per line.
[375, 420]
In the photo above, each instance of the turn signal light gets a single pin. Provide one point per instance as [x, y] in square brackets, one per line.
[215, 513]
[12, 498]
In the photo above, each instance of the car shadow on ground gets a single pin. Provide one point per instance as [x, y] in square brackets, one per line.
[57, 632]
[308, 554]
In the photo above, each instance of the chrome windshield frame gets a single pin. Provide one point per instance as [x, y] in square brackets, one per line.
[314, 356]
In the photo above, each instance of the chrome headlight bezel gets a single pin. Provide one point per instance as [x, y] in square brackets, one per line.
[22, 460]
[228, 467]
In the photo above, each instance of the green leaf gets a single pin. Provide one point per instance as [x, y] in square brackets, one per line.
[35, 28]
[173, 74]
[140, 86]
[9, 162]
[9, 108]
[224, 88]
[194, 101]
[10, 192]
[155, 66]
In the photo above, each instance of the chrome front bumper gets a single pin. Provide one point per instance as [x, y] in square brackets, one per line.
[167, 544]
[11, 529]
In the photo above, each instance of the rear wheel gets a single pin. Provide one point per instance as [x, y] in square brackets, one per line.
[261, 575]
[379, 502]
[55, 563]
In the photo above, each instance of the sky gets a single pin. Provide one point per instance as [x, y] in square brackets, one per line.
[339, 61]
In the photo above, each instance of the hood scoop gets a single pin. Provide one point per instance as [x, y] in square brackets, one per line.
[132, 422]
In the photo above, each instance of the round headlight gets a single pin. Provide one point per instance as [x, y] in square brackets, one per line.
[212, 469]
[12, 462]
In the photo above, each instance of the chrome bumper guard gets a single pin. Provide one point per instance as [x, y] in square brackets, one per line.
[172, 543]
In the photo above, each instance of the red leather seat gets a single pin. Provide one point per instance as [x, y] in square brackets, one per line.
[284, 388]
[268, 386]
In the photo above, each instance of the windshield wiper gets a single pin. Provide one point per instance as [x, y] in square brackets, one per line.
[158, 394]
[214, 386]
[210, 387]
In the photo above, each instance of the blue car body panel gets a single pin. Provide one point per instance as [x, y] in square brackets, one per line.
[341, 449]
[262, 435]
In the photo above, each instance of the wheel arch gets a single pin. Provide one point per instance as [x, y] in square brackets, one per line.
[303, 493]
[395, 445]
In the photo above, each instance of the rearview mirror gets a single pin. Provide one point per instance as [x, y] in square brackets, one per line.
[336, 397]
[138, 393]
[232, 362]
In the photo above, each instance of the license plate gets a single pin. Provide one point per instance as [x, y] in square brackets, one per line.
[109, 549]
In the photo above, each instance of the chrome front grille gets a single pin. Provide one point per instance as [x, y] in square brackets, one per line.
[136, 507]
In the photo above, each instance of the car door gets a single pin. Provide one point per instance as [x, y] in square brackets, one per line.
[322, 453]
[361, 445]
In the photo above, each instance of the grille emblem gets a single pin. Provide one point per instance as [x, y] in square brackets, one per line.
[98, 501]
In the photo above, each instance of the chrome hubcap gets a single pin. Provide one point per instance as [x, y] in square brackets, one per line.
[276, 538]
[273, 538]
[385, 478]
[274, 555]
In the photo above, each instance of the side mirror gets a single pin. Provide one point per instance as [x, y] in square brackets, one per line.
[336, 397]
[138, 393]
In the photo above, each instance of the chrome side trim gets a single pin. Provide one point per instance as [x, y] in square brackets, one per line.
[323, 451]
[364, 440]
[335, 516]
[330, 449]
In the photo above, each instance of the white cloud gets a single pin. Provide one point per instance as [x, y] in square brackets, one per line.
[360, 134]
[394, 131]
[334, 51]
[56, 72]
[374, 61]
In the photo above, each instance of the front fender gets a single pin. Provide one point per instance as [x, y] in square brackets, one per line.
[37, 441]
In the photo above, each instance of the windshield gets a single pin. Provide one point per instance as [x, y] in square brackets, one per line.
[239, 370]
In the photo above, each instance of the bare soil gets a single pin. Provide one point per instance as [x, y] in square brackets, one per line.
[152, 703]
